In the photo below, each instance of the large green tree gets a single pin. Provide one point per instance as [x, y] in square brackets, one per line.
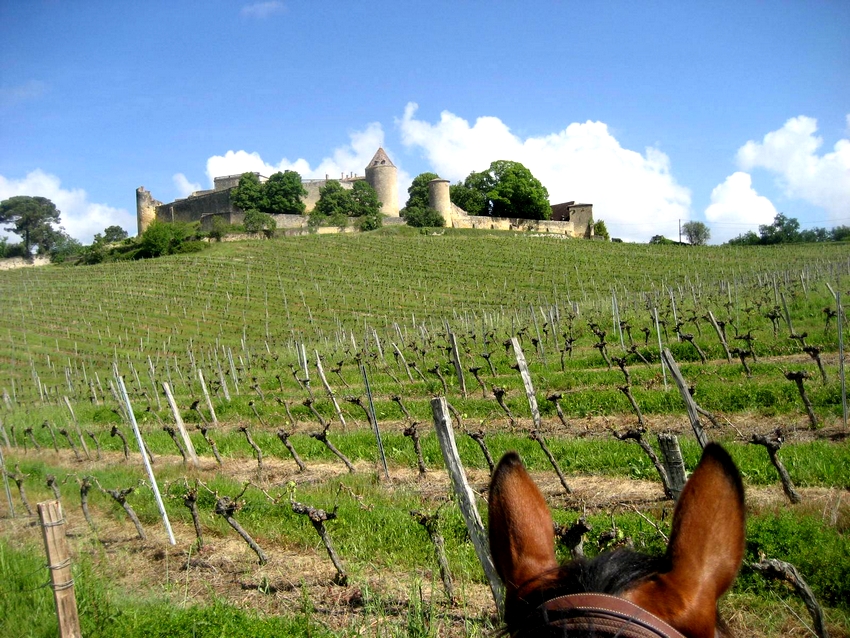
[333, 207]
[506, 189]
[114, 234]
[417, 193]
[696, 233]
[284, 194]
[32, 219]
[249, 194]
[259, 222]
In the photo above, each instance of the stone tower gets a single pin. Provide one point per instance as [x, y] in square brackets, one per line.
[145, 208]
[382, 175]
[440, 200]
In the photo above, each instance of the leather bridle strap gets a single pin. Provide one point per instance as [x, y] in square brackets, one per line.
[605, 615]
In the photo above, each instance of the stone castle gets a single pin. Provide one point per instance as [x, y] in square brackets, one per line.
[570, 219]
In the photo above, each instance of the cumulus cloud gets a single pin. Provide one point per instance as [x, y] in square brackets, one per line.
[80, 217]
[583, 162]
[791, 153]
[262, 9]
[184, 186]
[350, 158]
[735, 201]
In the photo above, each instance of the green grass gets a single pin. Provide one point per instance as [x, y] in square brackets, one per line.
[343, 295]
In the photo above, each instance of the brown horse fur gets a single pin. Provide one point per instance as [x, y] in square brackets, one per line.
[703, 555]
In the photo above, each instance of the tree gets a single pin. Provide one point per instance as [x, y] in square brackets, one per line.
[10, 250]
[661, 239]
[423, 217]
[114, 234]
[249, 194]
[783, 230]
[506, 189]
[840, 233]
[32, 218]
[417, 194]
[366, 206]
[469, 198]
[333, 207]
[284, 194]
[65, 249]
[601, 230]
[517, 193]
[257, 222]
[696, 233]
[164, 238]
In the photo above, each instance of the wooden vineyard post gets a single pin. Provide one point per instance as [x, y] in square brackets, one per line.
[207, 396]
[660, 346]
[190, 449]
[77, 426]
[674, 465]
[373, 417]
[465, 497]
[59, 564]
[145, 460]
[720, 336]
[6, 484]
[456, 362]
[329, 390]
[691, 406]
[526, 380]
[535, 411]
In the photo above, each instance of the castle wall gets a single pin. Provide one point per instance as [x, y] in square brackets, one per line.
[515, 223]
[313, 186]
[193, 209]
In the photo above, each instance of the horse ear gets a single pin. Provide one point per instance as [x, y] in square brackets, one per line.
[522, 540]
[705, 549]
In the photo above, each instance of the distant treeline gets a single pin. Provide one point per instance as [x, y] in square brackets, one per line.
[786, 230]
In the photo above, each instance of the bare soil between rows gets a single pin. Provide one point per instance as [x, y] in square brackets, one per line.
[226, 569]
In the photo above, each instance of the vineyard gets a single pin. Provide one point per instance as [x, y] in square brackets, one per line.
[282, 394]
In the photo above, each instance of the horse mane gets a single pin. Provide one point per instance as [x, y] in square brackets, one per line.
[609, 573]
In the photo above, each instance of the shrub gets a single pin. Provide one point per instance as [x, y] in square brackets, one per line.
[423, 217]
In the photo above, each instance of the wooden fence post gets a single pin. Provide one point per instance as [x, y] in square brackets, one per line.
[691, 406]
[465, 497]
[673, 463]
[207, 396]
[59, 564]
[190, 449]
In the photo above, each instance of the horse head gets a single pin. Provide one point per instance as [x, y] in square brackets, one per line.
[620, 593]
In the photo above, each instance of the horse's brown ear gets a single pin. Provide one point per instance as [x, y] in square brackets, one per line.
[522, 540]
[705, 549]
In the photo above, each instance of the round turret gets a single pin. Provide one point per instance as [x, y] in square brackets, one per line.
[382, 175]
[439, 199]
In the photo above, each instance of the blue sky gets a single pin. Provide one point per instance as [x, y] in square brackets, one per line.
[722, 112]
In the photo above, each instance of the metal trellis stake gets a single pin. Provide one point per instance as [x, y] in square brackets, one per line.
[145, 459]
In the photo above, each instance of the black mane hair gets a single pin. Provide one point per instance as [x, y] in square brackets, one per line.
[609, 573]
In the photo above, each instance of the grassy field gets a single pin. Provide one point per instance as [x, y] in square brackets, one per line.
[242, 313]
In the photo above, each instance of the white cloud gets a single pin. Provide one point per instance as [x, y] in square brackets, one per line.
[184, 186]
[584, 162]
[351, 158]
[262, 9]
[791, 153]
[80, 217]
[735, 201]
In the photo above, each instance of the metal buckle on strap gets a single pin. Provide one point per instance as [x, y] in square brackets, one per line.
[605, 614]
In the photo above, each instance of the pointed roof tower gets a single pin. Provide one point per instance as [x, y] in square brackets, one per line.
[382, 175]
[381, 159]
